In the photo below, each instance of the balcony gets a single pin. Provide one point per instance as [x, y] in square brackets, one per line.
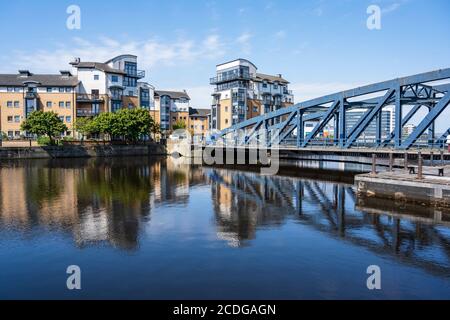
[89, 98]
[225, 78]
[287, 92]
[140, 74]
[30, 95]
[86, 113]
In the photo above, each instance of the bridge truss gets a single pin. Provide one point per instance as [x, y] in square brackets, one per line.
[397, 100]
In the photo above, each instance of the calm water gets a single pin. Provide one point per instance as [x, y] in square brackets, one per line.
[161, 229]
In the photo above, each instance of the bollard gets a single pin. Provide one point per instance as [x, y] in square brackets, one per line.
[420, 168]
[30, 143]
[391, 162]
[406, 161]
[431, 159]
[374, 164]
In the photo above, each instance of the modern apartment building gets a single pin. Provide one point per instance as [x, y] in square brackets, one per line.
[170, 107]
[387, 123]
[111, 86]
[242, 93]
[25, 92]
[198, 123]
[89, 89]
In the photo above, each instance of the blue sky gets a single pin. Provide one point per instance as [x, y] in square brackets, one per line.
[319, 46]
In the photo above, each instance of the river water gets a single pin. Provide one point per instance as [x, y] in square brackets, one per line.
[143, 228]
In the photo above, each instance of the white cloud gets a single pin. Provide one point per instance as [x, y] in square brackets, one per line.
[151, 53]
[244, 41]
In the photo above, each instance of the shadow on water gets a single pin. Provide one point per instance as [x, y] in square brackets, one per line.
[109, 201]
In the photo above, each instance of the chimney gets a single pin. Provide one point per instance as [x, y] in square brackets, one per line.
[25, 73]
[66, 73]
[75, 61]
[280, 75]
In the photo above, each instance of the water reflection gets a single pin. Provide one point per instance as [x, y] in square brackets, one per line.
[110, 201]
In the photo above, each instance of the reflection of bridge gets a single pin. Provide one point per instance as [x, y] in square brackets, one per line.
[429, 91]
[335, 210]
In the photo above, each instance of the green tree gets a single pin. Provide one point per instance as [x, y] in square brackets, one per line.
[180, 124]
[132, 124]
[85, 126]
[103, 124]
[44, 123]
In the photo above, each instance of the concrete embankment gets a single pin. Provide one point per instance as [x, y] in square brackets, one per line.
[431, 190]
[78, 151]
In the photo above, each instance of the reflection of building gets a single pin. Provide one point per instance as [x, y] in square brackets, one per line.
[241, 93]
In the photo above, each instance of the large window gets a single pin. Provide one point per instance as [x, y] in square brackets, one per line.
[129, 82]
[131, 68]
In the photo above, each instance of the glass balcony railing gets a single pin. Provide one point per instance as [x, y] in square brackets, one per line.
[86, 113]
[89, 97]
[230, 77]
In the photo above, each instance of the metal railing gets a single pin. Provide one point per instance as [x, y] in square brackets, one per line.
[89, 97]
[86, 113]
[231, 77]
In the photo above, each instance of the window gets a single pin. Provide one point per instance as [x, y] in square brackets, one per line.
[9, 104]
[16, 104]
[96, 77]
[68, 133]
[10, 134]
[16, 118]
[49, 104]
[61, 104]
[264, 85]
[255, 109]
[226, 109]
[275, 87]
[68, 90]
[17, 133]
[68, 104]
[130, 93]
[10, 119]
[226, 121]
[49, 90]
[17, 89]
[61, 90]
[69, 119]
[10, 89]
[114, 79]
[61, 118]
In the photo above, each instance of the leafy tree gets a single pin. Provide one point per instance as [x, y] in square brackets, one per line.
[44, 123]
[85, 126]
[180, 124]
[131, 124]
[103, 124]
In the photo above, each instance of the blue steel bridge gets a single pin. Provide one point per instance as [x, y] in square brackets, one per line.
[404, 96]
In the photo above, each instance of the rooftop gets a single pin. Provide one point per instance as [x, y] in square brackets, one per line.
[44, 80]
[270, 78]
[99, 66]
[173, 94]
[193, 112]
